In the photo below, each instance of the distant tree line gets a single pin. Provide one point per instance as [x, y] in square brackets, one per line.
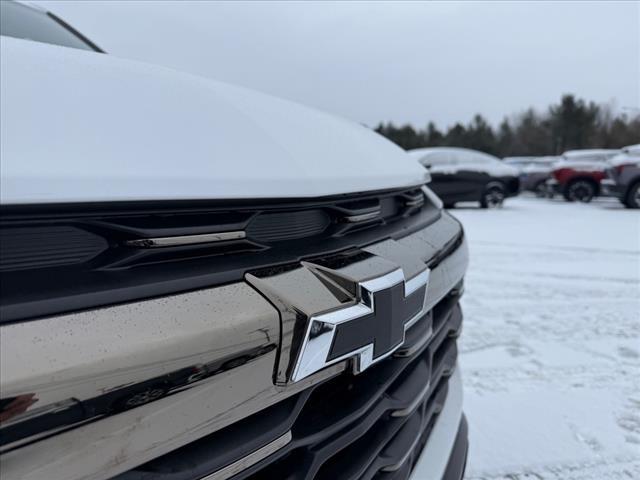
[571, 124]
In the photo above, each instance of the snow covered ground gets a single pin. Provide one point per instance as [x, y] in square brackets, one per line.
[550, 351]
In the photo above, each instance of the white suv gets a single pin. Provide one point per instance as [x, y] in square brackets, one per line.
[201, 281]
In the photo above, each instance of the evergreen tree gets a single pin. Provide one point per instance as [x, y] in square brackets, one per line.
[571, 124]
[433, 136]
[480, 136]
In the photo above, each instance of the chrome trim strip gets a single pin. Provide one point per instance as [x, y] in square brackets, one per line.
[413, 284]
[250, 460]
[415, 200]
[362, 217]
[321, 328]
[185, 239]
[385, 281]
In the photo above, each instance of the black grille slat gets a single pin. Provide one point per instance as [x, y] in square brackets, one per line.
[352, 462]
[356, 436]
[39, 247]
[272, 227]
[396, 451]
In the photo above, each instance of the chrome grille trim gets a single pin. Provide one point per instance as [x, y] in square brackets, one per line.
[362, 217]
[185, 239]
[251, 459]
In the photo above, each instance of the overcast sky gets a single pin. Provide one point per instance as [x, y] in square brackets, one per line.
[399, 61]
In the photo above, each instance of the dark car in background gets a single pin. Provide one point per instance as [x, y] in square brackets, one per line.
[460, 175]
[578, 175]
[623, 177]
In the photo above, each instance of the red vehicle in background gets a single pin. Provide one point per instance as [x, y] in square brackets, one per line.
[577, 176]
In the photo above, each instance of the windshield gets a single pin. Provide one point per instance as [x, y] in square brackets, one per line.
[21, 21]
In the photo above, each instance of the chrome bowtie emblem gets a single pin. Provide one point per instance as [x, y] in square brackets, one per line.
[367, 331]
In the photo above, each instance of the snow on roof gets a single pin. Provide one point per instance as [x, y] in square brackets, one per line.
[423, 152]
[632, 149]
[571, 154]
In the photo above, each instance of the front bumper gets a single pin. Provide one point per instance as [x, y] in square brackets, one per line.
[220, 397]
[458, 460]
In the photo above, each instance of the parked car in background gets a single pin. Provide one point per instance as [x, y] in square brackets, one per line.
[623, 177]
[519, 162]
[578, 174]
[533, 175]
[522, 162]
[177, 303]
[594, 155]
[460, 174]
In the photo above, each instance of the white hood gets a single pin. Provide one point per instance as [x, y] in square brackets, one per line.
[79, 126]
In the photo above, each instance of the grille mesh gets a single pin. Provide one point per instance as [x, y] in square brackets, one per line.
[39, 247]
[273, 227]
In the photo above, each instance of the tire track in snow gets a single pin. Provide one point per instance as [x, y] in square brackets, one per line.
[625, 468]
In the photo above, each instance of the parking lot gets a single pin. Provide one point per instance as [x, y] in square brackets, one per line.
[550, 352]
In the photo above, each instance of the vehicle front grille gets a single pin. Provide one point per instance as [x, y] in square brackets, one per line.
[273, 227]
[367, 426]
[61, 258]
[42, 247]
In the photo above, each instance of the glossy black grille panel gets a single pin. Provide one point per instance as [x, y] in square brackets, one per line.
[362, 427]
[62, 258]
[41, 247]
[273, 227]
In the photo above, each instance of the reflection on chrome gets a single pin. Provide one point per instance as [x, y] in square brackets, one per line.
[19, 425]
